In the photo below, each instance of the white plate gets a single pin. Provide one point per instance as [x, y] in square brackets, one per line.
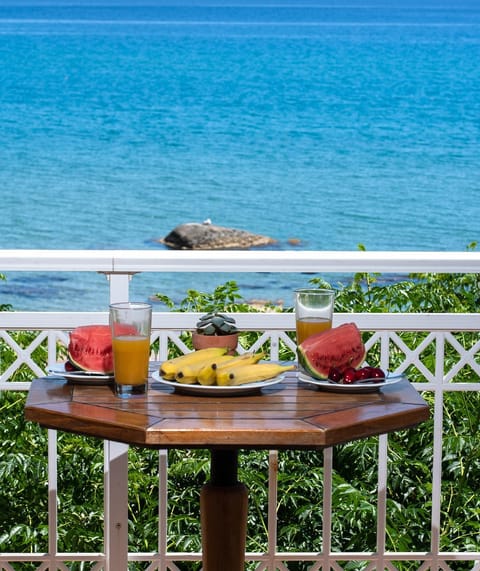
[326, 385]
[80, 377]
[214, 390]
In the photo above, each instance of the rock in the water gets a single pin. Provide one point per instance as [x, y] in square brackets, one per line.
[207, 236]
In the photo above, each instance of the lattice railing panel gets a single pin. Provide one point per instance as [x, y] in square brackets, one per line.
[468, 356]
[425, 356]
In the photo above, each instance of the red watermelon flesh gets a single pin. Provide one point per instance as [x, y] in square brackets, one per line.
[339, 347]
[90, 347]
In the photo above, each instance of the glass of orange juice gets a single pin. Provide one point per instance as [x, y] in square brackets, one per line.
[130, 323]
[313, 311]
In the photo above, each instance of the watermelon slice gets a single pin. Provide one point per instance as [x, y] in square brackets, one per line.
[90, 347]
[340, 347]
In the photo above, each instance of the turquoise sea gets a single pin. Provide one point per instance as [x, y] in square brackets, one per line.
[335, 123]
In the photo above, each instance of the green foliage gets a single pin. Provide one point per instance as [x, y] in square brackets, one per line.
[414, 293]
[224, 298]
[300, 480]
[25, 473]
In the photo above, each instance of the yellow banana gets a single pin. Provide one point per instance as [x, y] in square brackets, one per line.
[251, 373]
[193, 369]
[191, 380]
[168, 376]
[169, 368]
[241, 360]
[207, 374]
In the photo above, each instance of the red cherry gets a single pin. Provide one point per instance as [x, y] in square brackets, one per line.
[378, 374]
[335, 375]
[349, 376]
[362, 374]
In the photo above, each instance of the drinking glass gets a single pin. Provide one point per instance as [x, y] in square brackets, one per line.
[313, 311]
[130, 323]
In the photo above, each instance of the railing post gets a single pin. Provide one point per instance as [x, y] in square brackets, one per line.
[116, 506]
[119, 287]
[116, 472]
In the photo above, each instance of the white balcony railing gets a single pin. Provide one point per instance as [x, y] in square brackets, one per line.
[120, 267]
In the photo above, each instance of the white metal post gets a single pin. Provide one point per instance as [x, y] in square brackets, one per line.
[116, 473]
[116, 506]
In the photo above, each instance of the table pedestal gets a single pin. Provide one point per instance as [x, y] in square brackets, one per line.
[223, 512]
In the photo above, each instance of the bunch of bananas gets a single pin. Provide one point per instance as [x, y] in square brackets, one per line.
[214, 367]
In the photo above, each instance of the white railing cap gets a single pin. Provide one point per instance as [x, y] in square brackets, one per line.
[132, 261]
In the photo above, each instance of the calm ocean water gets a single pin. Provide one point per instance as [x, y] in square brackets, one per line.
[333, 123]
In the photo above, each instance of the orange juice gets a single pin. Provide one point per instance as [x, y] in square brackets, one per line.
[130, 358]
[311, 325]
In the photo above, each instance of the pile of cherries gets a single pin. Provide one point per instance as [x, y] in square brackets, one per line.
[351, 375]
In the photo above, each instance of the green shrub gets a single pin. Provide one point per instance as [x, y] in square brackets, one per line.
[23, 457]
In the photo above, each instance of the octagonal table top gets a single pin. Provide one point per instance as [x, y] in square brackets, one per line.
[291, 414]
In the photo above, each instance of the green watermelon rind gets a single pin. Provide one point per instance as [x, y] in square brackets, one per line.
[316, 355]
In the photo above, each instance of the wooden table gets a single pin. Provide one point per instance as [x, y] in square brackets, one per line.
[290, 415]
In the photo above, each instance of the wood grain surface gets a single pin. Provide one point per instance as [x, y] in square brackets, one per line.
[289, 415]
